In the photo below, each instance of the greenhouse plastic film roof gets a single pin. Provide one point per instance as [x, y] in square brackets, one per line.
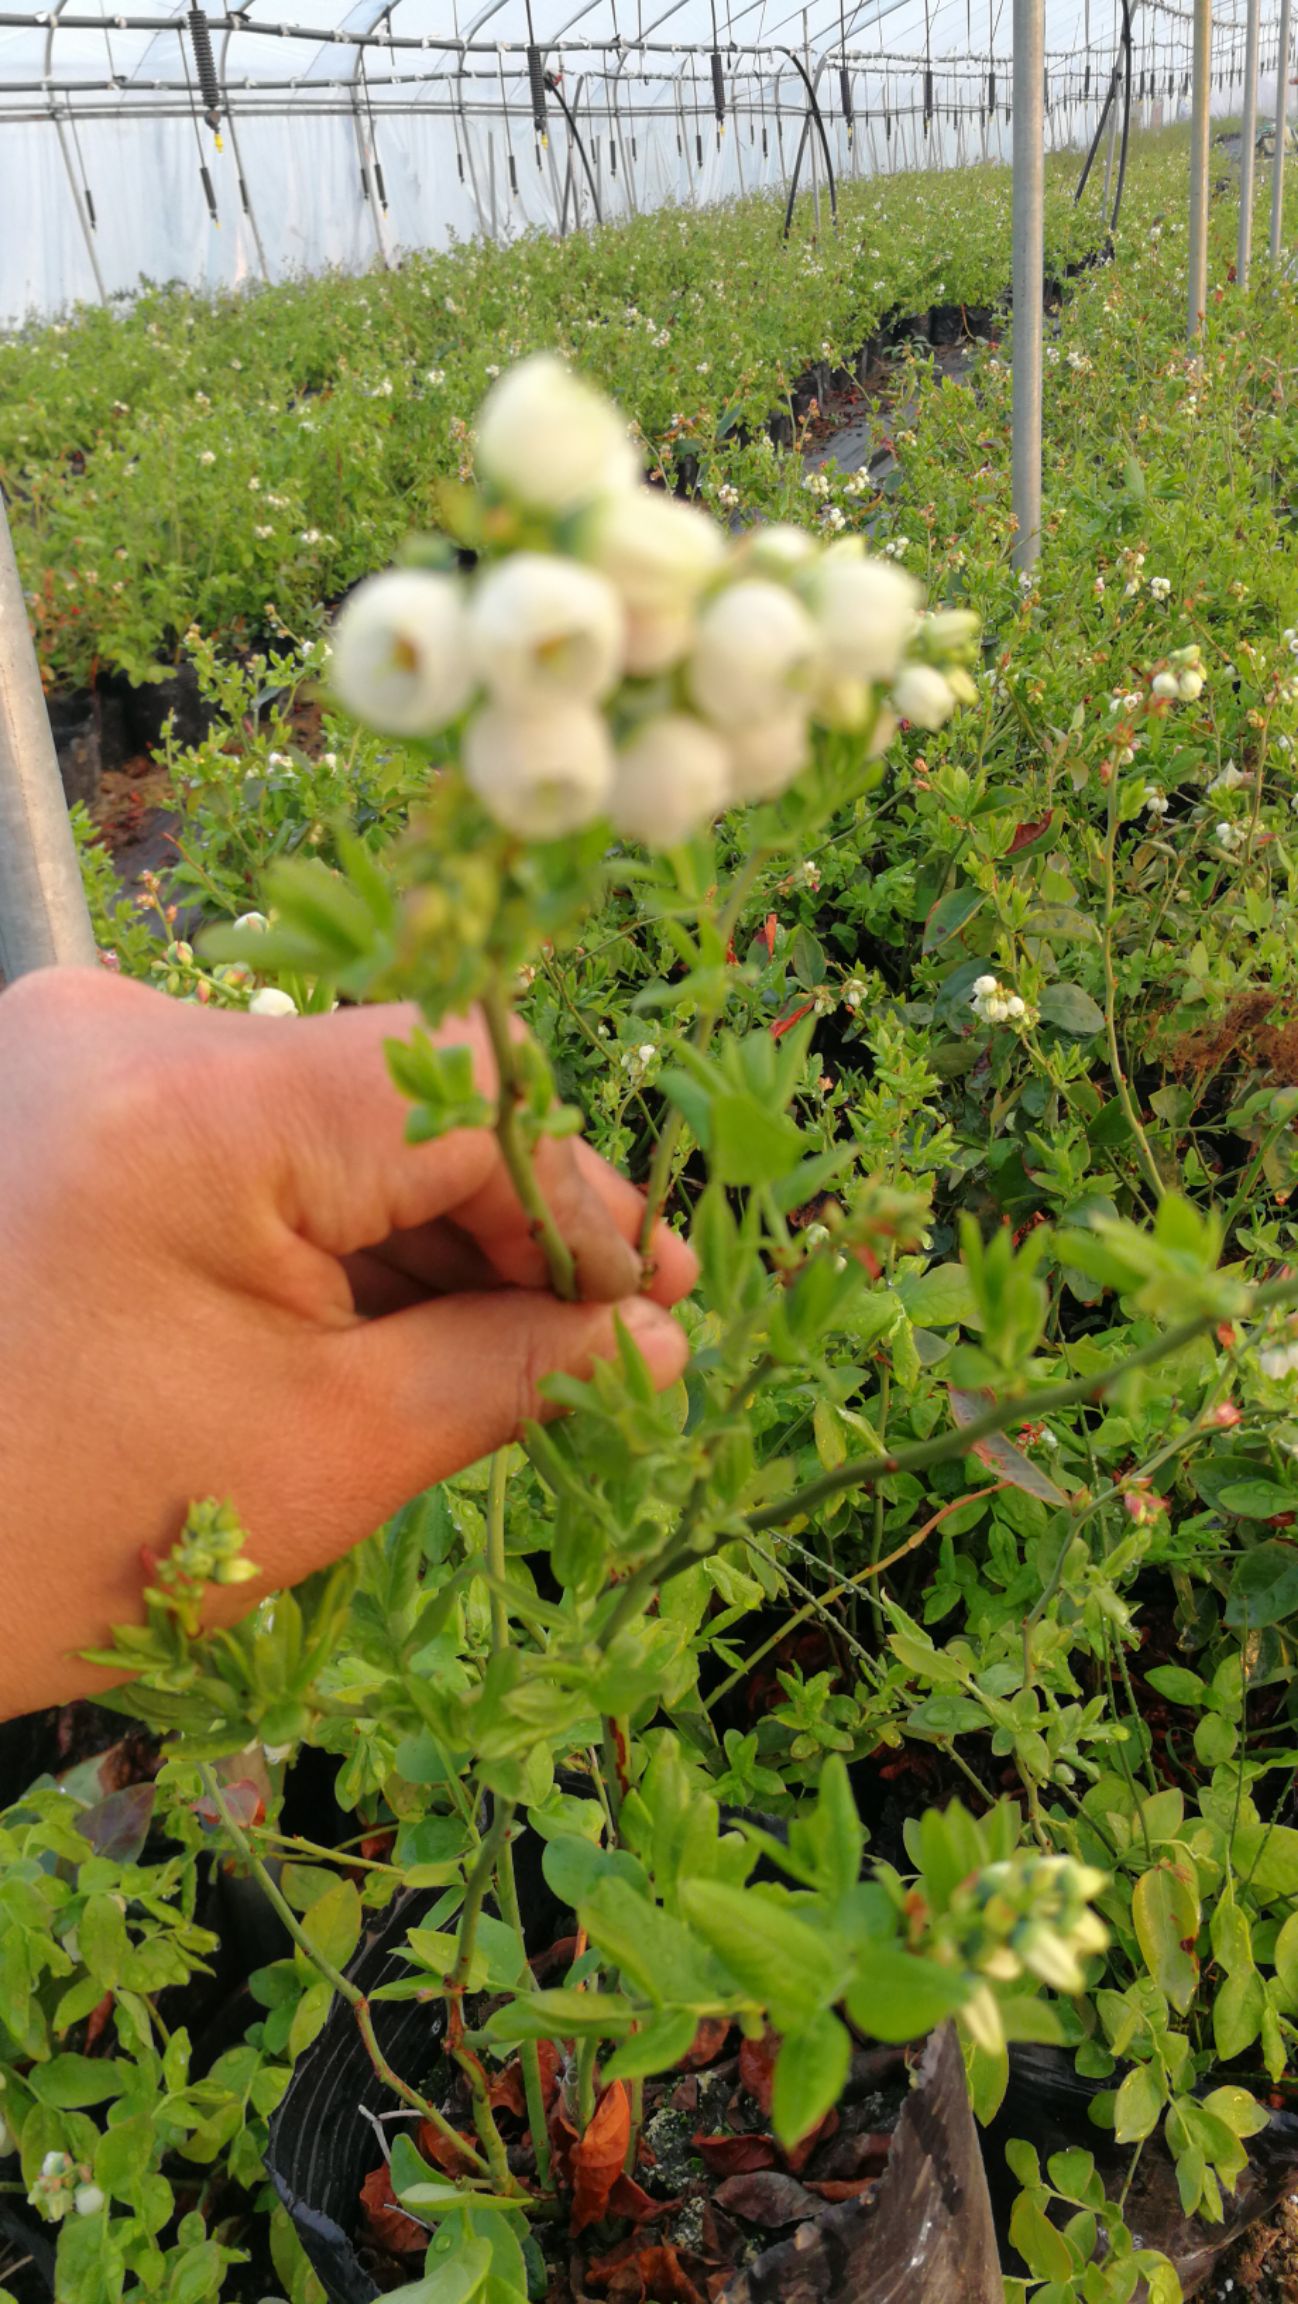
[215, 149]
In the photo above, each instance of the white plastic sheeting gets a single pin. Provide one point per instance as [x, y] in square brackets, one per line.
[344, 150]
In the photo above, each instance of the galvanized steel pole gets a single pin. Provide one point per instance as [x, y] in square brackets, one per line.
[1028, 273]
[1248, 141]
[1199, 126]
[43, 915]
[1281, 130]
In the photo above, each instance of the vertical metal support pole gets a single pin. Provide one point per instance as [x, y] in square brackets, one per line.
[83, 220]
[43, 917]
[1029, 192]
[815, 156]
[1248, 141]
[366, 158]
[1281, 130]
[1201, 97]
[249, 210]
[1113, 145]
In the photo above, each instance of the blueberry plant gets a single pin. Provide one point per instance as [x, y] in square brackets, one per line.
[964, 1051]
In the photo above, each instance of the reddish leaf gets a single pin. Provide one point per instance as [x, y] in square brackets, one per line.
[1001, 1454]
[389, 2226]
[757, 2068]
[844, 2188]
[97, 2019]
[685, 2095]
[785, 1024]
[647, 2272]
[708, 2042]
[1025, 834]
[597, 2158]
[243, 1800]
[505, 2091]
[442, 2153]
[735, 2155]
[630, 2199]
[797, 2156]
[859, 2155]
[767, 2198]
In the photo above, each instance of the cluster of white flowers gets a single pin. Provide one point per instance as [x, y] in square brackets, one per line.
[1181, 680]
[650, 668]
[64, 2186]
[1160, 587]
[1156, 803]
[1279, 1360]
[1228, 836]
[992, 1004]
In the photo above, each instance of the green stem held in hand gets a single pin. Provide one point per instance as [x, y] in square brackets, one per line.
[516, 1152]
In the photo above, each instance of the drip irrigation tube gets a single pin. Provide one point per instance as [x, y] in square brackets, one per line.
[813, 114]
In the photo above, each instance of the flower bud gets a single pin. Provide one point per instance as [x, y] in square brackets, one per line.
[549, 442]
[765, 758]
[866, 611]
[672, 778]
[541, 772]
[757, 648]
[541, 628]
[400, 652]
[658, 554]
[923, 696]
[270, 1001]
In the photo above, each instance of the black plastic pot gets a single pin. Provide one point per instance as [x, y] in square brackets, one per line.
[926, 2236]
[147, 707]
[946, 324]
[74, 725]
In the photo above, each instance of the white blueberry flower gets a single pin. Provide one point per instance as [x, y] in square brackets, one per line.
[1279, 1360]
[542, 628]
[401, 652]
[548, 441]
[924, 696]
[777, 550]
[658, 554]
[256, 920]
[1229, 779]
[866, 611]
[1189, 685]
[1164, 684]
[1160, 587]
[672, 778]
[1228, 836]
[208, 456]
[542, 771]
[1155, 803]
[756, 650]
[766, 755]
[270, 1001]
[88, 2200]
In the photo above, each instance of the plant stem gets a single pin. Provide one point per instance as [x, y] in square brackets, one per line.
[660, 1170]
[1125, 1097]
[341, 1984]
[1020, 1407]
[516, 1152]
[586, 2081]
[529, 2057]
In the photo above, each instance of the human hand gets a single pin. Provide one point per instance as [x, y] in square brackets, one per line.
[223, 1272]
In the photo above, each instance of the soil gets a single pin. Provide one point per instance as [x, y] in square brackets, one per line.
[1262, 2267]
[710, 2190]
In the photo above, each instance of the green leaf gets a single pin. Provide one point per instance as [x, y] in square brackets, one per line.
[1286, 1961]
[1257, 1499]
[654, 2048]
[562, 2014]
[1165, 1908]
[332, 1926]
[939, 1298]
[458, 2279]
[810, 2075]
[1266, 1856]
[896, 1996]
[1178, 1685]
[808, 960]
[1139, 2102]
[654, 1951]
[70, 2083]
[789, 1968]
[1071, 1010]
[1237, 2110]
[750, 1143]
[1041, 2245]
[1264, 1586]
[1237, 2013]
[950, 914]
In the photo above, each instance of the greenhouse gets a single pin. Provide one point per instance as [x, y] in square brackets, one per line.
[648, 1138]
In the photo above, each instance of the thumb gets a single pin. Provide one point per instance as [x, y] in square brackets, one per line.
[432, 1389]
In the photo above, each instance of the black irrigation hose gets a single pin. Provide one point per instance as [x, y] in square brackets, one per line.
[1125, 51]
[813, 114]
[552, 83]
